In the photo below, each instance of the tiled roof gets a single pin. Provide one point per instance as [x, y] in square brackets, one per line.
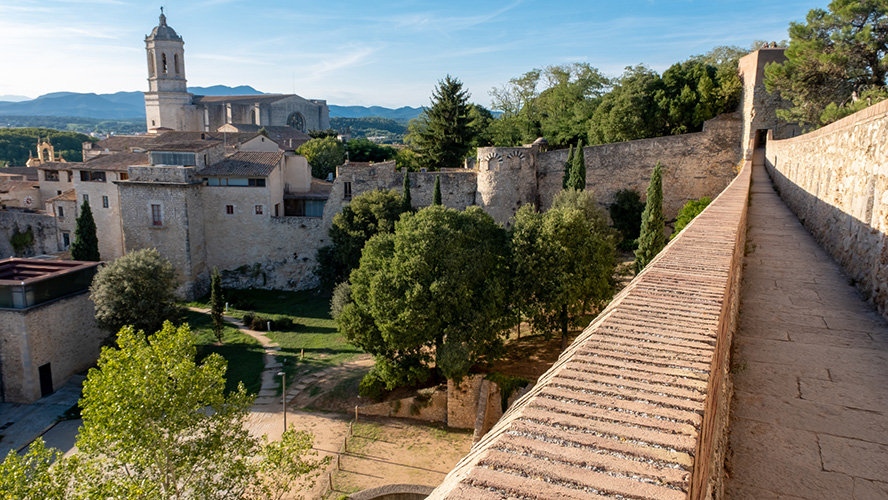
[119, 143]
[116, 162]
[286, 137]
[59, 165]
[628, 410]
[244, 164]
[68, 195]
[9, 186]
[30, 173]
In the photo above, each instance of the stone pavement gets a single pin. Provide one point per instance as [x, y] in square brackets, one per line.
[810, 411]
[20, 423]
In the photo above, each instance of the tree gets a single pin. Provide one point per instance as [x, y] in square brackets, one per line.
[323, 154]
[416, 299]
[157, 425]
[578, 170]
[406, 200]
[136, 289]
[562, 262]
[363, 149]
[565, 180]
[86, 244]
[217, 304]
[688, 212]
[368, 214]
[442, 134]
[835, 60]
[625, 212]
[436, 198]
[652, 238]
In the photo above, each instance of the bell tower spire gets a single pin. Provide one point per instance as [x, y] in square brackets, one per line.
[167, 94]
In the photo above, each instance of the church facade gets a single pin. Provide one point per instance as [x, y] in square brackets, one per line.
[169, 105]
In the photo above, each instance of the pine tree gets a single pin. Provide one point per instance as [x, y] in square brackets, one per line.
[406, 201]
[442, 134]
[436, 200]
[86, 243]
[578, 170]
[567, 167]
[652, 238]
[217, 305]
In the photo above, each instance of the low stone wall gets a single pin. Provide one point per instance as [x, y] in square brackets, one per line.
[43, 227]
[394, 492]
[430, 406]
[835, 179]
[637, 406]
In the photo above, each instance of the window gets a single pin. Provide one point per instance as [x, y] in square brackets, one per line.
[86, 198]
[66, 240]
[58, 192]
[50, 175]
[164, 62]
[91, 176]
[258, 209]
[168, 158]
[123, 176]
[257, 182]
[176, 62]
[304, 208]
[104, 202]
[346, 190]
[156, 215]
[236, 182]
[229, 209]
[60, 211]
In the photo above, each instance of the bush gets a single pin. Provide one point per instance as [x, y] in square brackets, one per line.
[625, 212]
[372, 386]
[248, 319]
[259, 324]
[281, 324]
[689, 211]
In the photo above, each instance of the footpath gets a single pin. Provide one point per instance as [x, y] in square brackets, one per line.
[809, 416]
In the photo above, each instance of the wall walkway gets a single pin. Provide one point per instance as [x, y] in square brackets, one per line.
[810, 408]
[637, 406]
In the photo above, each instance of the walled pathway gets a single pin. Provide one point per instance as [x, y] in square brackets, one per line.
[810, 410]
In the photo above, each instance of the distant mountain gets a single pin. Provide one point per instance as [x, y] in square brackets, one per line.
[14, 98]
[403, 114]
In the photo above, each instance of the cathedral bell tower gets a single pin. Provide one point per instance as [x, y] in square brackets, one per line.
[167, 102]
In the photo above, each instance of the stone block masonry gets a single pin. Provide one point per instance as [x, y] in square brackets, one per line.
[835, 179]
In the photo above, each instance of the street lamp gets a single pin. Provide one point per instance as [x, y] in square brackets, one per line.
[283, 377]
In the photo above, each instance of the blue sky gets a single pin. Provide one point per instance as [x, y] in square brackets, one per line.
[363, 52]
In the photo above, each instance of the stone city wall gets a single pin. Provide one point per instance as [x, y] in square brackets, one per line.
[835, 179]
[43, 227]
[61, 332]
[694, 165]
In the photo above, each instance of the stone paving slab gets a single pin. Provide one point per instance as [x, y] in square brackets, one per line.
[809, 417]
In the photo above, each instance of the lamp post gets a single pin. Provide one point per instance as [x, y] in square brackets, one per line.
[283, 377]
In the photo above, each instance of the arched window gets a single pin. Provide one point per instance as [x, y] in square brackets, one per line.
[176, 62]
[253, 116]
[163, 58]
[151, 69]
[296, 120]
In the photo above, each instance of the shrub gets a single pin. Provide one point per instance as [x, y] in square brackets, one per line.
[259, 324]
[625, 212]
[283, 324]
[689, 211]
[248, 319]
[372, 386]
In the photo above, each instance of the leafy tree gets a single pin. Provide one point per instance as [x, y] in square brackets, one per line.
[86, 244]
[371, 213]
[630, 110]
[17, 144]
[563, 261]
[436, 198]
[365, 150]
[406, 200]
[652, 238]
[217, 304]
[690, 210]
[407, 159]
[834, 58]
[136, 289]
[391, 131]
[625, 212]
[321, 134]
[480, 119]
[411, 292]
[157, 425]
[324, 155]
[578, 170]
[442, 134]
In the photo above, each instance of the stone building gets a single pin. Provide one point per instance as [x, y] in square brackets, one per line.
[169, 105]
[47, 326]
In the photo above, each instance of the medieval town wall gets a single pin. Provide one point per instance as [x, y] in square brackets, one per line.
[43, 227]
[835, 179]
[694, 165]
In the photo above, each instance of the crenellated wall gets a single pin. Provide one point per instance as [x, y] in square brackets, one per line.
[835, 179]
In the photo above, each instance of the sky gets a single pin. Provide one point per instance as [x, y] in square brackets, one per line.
[363, 52]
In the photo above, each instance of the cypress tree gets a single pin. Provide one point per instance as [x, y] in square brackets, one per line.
[565, 181]
[436, 200]
[578, 169]
[86, 243]
[406, 201]
[652, 239]
[217, 306]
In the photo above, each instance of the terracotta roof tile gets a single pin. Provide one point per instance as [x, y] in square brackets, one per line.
[244, 164]
[116, 162]
[68, 195]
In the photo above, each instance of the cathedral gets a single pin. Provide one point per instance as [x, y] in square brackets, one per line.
[169, 105]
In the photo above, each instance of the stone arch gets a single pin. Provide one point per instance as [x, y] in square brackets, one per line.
[163, 58]
[296, 120]
[253, 117]
[176, 63]
[151, 69]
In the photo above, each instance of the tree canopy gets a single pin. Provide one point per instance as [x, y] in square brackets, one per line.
[442, 134]
[365, 150]
[17, 144]
[837, 61]
[324, 155]
[86, 243]
[137, 290]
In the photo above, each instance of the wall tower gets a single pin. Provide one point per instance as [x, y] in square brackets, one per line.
[167, 102]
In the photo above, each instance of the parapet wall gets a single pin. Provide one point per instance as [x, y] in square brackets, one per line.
[637, 406]
[835, 179]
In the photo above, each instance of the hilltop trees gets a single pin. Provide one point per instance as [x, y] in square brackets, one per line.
[136, 290]
[652, 238]
[86, 244]
[442, 134]
[323, 154]
[837, 61]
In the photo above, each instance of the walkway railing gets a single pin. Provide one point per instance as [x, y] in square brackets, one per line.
[637, 405]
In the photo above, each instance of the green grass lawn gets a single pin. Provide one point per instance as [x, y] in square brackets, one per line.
[315, 334]
[244, 354]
